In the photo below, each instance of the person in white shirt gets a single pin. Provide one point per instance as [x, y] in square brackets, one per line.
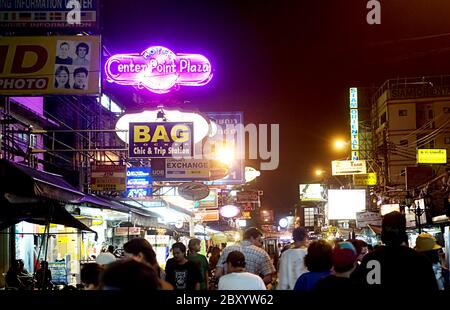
[238, 278]
[292, 263]
[107, 257]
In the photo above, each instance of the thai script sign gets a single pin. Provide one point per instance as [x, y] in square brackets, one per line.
[432, 156]
[158, 69]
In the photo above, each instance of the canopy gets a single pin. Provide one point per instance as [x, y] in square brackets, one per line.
[34, 196]
[26, 181]
[36, 211]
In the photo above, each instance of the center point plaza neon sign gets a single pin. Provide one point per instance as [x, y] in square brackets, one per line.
[158, 69]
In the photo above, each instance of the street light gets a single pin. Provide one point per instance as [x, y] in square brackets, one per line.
[319, 172]
[340, 144]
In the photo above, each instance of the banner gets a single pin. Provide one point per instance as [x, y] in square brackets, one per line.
[348, 167]
[139, 182]
[431, 156]
[66, 65]
[187, 169]
[161, 140]
[247, 196]
[57, 14]
[368, 218]
[368, 179]
[207, 215]
[232, 139]
[108, 178]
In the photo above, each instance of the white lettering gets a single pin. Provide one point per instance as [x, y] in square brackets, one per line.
[74, 16]
[374, 16]
[374, 275]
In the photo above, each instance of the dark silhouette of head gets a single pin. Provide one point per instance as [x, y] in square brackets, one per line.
[236, 259]
[129, 275]
[90, 274]
[141, 245]
[319, 257]
[300, 234]
[252, 232]
[393, 229]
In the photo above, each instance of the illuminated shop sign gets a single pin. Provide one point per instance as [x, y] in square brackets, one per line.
[160, 140]
[139, 182]
[354, 128]
[158, 69]
[432, 156]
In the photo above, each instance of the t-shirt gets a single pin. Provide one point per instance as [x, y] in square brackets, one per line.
[64, 61]
[292, 266]
[105, 258]
[308, 280]
[202, 264]
[399, 266]
[335, 283]
[182, 277]
[241, 281]
[257, 261]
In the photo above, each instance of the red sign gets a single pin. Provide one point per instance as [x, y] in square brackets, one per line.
[125, 231]
[109, 178]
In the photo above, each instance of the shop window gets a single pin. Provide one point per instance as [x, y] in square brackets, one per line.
[403, 142]
[402, 112]
[309, 217]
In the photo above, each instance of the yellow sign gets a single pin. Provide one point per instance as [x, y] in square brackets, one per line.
[50, 65]
[368, 179]
[432, 156]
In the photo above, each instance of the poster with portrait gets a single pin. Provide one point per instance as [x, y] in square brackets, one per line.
[50, 65]
[72, 65]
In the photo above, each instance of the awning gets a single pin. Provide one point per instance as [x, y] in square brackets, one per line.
[36, 211]
[103, 203]
[34, 196]
[25, 181]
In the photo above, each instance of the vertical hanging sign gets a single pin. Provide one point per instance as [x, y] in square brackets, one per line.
[354, 128]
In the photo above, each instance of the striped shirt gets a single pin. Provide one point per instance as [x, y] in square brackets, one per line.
[257, 261]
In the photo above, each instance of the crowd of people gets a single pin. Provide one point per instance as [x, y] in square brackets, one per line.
[303, 265]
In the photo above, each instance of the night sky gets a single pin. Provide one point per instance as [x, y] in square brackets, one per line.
[286, 62]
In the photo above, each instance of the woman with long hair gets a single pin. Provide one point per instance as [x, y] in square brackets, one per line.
[62, 77]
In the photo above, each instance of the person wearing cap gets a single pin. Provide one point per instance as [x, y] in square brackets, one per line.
[257, 260]
[426, 244]
[237, 278]
[394, 265]
[292, 263]
[344, 258]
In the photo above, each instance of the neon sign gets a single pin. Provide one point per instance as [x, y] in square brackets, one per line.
[158, 69]
[354, 126]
